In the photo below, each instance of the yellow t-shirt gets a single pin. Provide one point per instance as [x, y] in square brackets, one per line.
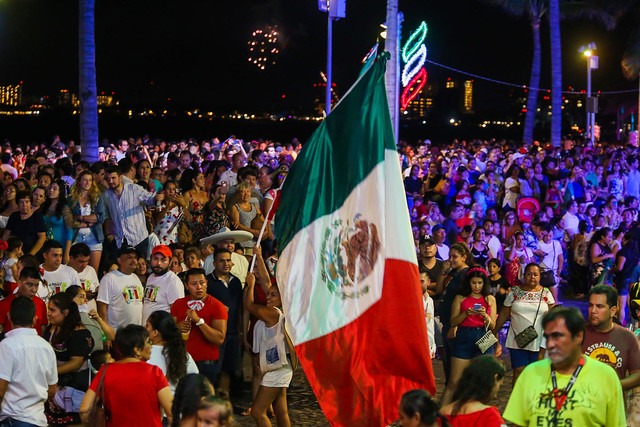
[594, 400]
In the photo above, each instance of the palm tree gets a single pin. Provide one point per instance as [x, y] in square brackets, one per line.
[87, 81]
[533, 10]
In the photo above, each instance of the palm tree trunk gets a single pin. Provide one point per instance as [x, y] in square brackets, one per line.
[391, 75]
[87, 80]
[556, 72]
[534, 84]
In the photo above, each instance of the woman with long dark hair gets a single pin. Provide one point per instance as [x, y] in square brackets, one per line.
[626, 261]
[134, 391]
[72, 343]
[71, 340]
[478, 385]
[190, 390]
[460, 259]
[417, 409]
[473, 313]
[600, 256]
[169, 351]
[58, 217]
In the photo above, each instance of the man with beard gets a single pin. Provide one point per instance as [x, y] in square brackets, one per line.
[430, 265]
[608, 342]
[567, 389]
[163, 287]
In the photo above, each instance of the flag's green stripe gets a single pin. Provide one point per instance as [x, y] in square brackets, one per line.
[344, 149]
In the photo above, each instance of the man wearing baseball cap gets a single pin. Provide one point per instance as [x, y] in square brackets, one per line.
[226, 239]
[163, 285]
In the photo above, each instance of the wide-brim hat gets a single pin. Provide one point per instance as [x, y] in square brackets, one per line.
[238, 236]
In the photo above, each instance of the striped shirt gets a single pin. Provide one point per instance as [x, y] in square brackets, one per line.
[127, 213]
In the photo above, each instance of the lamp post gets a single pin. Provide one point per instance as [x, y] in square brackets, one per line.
[335, 9]
[591, 104]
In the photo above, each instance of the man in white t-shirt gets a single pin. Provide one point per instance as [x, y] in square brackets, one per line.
[28, 372]
[570, 220]
[231, 175]
[163, 285]
[226, 239]
[79, 256]
[120, 293]
[439, 238]
[58, 277]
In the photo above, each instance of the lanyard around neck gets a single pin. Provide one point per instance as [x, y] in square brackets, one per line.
[560, 396]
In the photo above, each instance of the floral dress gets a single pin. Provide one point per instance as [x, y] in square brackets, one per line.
[215, 219]
[167, 227]
[196, 224]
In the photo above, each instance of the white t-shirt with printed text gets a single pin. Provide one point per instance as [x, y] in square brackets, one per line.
[123, 293]
[160, 293]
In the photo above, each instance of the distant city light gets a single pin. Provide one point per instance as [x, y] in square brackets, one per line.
[264, 47]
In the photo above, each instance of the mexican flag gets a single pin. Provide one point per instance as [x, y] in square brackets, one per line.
[347, 271]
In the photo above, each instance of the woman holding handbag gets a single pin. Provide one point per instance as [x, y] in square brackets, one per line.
[525, 306]
[474, 314]
[131, 390]
[269, 335]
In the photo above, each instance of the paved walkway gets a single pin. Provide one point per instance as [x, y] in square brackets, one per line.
[305, 411]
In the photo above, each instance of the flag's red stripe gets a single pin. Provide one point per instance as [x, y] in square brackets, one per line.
[372, 361]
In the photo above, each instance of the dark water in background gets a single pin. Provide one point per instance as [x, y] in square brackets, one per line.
[30, 129]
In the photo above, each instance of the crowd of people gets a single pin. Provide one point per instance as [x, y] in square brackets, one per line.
[505, 236]
[135, 269]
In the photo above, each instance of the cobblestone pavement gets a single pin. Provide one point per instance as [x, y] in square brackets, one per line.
[305, 411]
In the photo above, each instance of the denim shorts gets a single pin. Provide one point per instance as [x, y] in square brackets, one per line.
[521, 358]
[464, 345]
[86, 236]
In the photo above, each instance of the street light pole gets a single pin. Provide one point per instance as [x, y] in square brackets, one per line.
[591, 105]
[589, 129]
[327, 107]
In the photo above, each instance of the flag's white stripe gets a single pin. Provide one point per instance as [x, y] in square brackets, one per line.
[380, 200]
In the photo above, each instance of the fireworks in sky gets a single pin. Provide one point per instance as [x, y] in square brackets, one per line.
[264, 47]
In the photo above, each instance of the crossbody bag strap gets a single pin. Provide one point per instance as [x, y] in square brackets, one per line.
[100, 390]
[538, 309]
[535, 318]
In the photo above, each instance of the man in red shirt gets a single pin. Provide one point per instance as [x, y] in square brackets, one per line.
[203, 321]
[28, 283]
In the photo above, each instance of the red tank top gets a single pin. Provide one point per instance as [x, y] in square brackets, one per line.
[476, 320]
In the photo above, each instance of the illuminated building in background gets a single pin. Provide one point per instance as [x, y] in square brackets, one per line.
[467, 103]
[107, 100]
[67, 99]
[421, 105]
[450, 84]
[11, 95]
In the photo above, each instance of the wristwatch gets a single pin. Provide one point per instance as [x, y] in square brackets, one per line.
[200, 322]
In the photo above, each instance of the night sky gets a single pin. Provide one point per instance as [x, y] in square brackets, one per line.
[195, 51]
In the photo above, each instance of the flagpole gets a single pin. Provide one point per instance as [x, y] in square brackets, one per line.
[327, 107]
[264, 227]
